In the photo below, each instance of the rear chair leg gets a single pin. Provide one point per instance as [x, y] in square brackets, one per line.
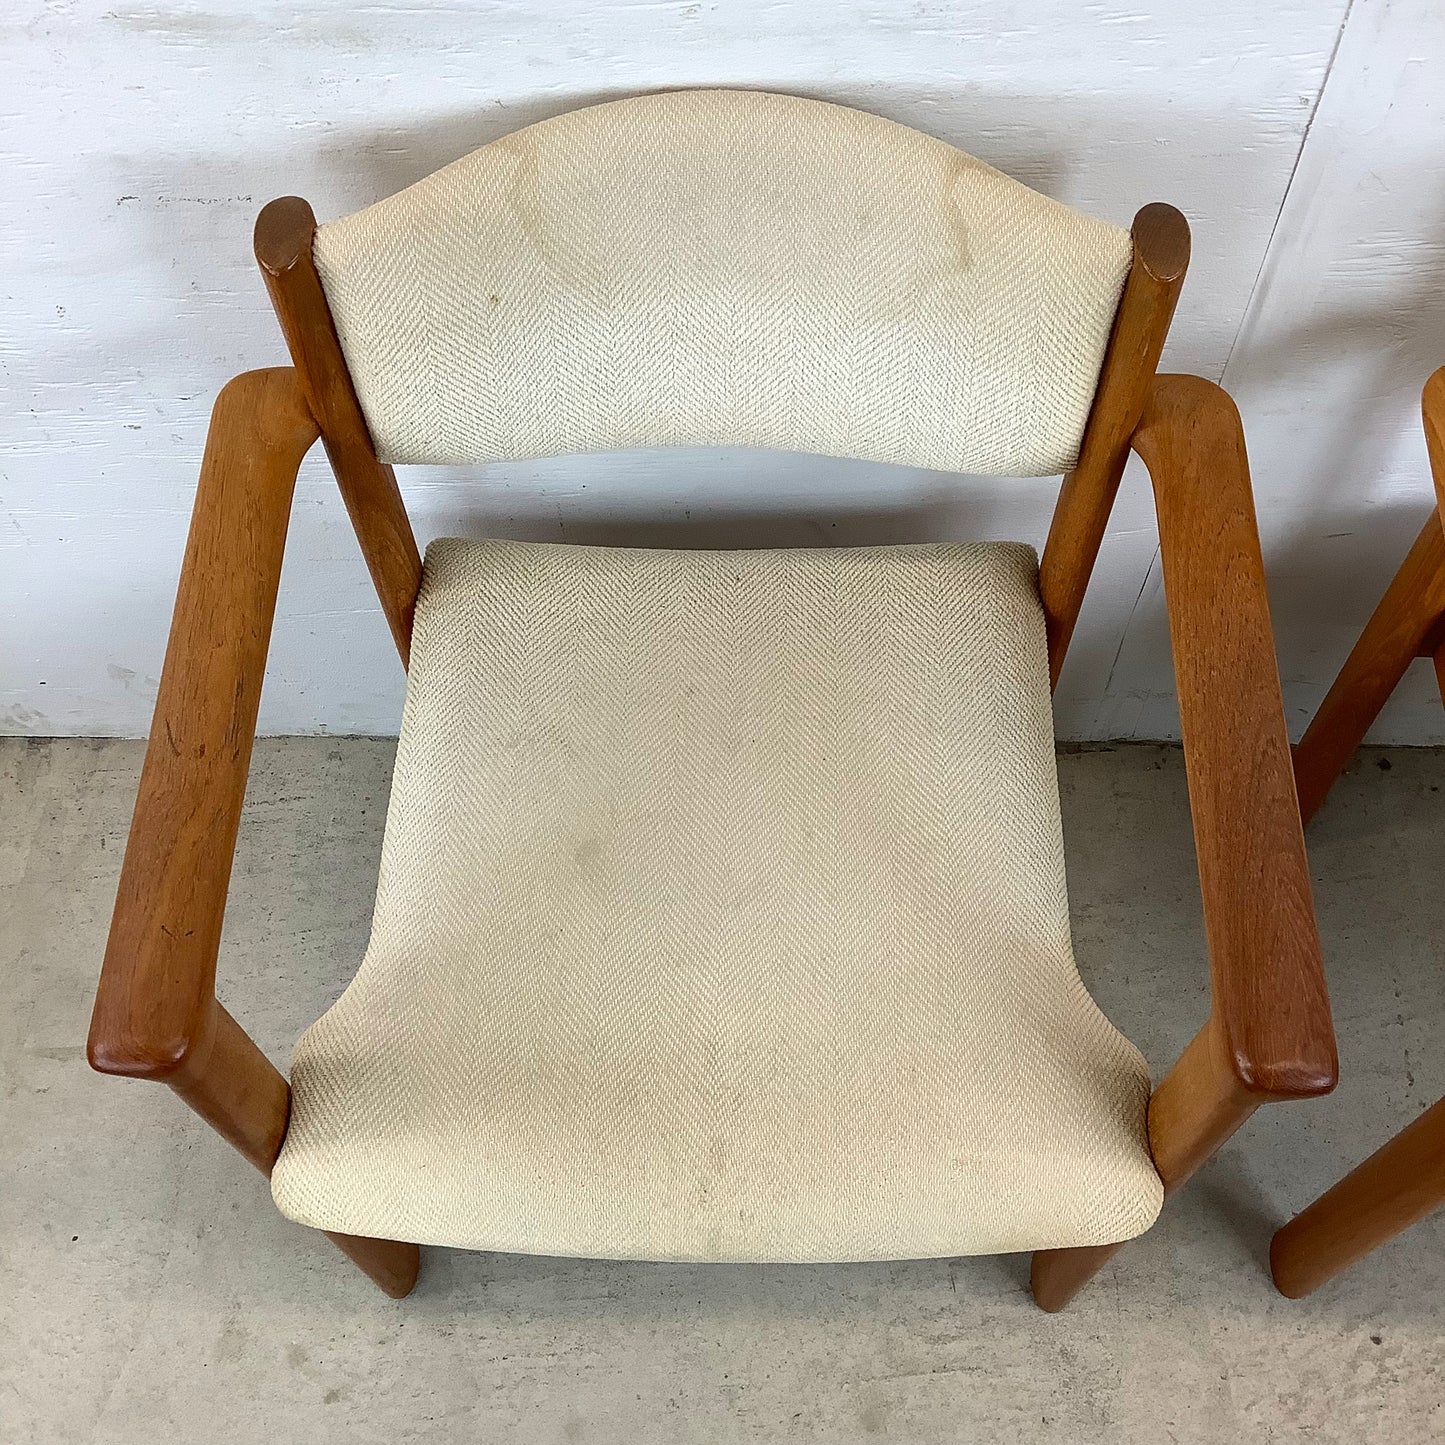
[1400, 630]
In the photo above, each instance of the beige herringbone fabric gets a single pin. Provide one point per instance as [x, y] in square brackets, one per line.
[725, 267]
[722, 917]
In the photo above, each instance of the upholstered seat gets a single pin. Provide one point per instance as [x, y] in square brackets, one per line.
[722, 917]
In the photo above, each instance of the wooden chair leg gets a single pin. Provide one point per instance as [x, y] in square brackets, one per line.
[1394, 1188]
[241, 1094]
[1199, 1104]
[1057, 1275]
[1402, 628]
[391, 1264]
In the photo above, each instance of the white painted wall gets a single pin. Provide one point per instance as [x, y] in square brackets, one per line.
[138, 142]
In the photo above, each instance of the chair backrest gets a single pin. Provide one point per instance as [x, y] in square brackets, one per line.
[725, 267]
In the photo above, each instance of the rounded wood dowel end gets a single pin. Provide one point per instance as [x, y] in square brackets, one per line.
[1161, 241]
[283, 234]
[1285, 1268]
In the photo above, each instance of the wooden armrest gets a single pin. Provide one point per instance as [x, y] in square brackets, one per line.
[155, 1008]
[1270, 1012]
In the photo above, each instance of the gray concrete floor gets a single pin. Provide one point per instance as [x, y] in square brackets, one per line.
[151, 1293]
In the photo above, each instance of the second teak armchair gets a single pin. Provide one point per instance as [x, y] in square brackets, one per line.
[1404, 1180]
[721, 912]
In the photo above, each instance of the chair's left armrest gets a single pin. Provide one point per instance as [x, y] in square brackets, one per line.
[1270, 1008]
[155, 1011]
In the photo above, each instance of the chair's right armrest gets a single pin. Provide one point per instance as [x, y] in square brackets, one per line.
[155, 1007]
[1271, 1014]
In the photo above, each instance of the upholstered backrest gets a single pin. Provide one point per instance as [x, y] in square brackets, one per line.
[725, 267]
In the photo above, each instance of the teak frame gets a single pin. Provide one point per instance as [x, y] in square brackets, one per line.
[1268, 1036]
[1404, 1180]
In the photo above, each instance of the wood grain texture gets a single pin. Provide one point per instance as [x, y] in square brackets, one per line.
[285, 230]
[1395, 1187]
[1269, 999]
[154, 1004]
[1081, 514]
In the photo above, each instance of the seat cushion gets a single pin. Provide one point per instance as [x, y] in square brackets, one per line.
[722, 917]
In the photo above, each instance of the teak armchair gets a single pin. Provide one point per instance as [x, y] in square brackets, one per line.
[722, 911]
[1404, 1180]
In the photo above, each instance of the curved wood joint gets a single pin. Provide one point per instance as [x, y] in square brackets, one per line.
[1151, 291]
[1271, 1010]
